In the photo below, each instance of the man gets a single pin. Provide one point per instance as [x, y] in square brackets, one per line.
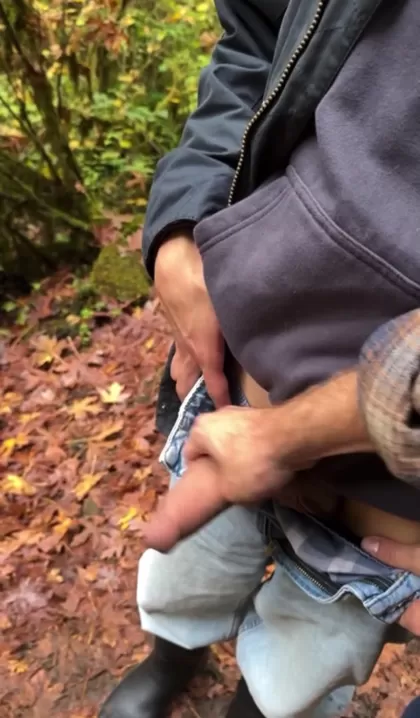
[298, 256]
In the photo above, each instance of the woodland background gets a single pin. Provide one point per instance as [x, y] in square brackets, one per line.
[92, 94]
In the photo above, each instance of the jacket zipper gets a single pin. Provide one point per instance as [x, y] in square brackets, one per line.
[274, 94]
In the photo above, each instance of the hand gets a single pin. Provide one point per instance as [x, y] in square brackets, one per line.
[231, 459]
[243, 445]
[254, 461]
[239, 455]
[180, 285]
[401, 556]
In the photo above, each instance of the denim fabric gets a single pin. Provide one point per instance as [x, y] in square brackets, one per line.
[211, 587]
[324, 564]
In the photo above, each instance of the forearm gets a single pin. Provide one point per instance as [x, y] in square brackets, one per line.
[324, 421]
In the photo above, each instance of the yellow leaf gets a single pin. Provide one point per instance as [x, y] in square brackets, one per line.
[72, 319]
[114, 394]
[15, 442]
[142, 474]
[17, 666]
[138, 312]
[14, 484]
[63, 525]
[10, 400]
[149, 344]
[109, 429]
[26, 418]
[55, 576]
[86, 484]
[80, 407]
[124, 521]
[90, 573]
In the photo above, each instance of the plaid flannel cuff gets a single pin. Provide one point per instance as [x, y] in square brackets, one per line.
[389, 393]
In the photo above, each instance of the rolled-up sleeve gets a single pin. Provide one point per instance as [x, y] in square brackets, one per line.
[389, 385]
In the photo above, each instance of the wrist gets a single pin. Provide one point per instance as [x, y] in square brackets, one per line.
[178, 251]
[324, 421]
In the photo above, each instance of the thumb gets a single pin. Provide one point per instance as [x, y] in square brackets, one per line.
[395, 554]
[192, 502]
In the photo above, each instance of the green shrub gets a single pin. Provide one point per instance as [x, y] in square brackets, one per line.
[92, 93]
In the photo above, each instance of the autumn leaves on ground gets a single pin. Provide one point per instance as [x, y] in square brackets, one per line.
[79, 473]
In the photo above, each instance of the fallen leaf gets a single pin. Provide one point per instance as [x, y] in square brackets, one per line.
[141, 446]
[137, 312]
[115, 394]
[142, 474]
[5, 623]
[149, 344]
[17, 666]
[109, 429]
[124, 521]
[10, 400]
[27, 418]
[14, 484]
[80, 408]
[15, 442]
[55, 576]
[87, 483]
[47, 350]
[90, 573]
[63, 524]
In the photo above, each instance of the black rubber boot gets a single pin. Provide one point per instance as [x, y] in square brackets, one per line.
[149, 689]
[243, 705]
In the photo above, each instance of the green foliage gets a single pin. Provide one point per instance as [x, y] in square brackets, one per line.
[92, 94]
[119, 276]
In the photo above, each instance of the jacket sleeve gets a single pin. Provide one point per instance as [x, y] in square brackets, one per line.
[193, 181]
[390, 394]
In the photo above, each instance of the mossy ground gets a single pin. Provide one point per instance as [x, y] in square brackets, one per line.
[119, 276]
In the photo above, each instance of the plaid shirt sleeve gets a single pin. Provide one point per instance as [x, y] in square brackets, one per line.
[389, 381]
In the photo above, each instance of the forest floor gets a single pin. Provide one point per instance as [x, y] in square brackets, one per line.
[79, 472]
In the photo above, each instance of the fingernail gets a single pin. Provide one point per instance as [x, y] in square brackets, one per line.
[371, 545]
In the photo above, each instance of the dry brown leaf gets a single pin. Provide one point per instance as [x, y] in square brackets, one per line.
[47, 350]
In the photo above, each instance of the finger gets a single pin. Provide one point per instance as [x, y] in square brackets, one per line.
[395, 554]
[198, 443]
[185, 383]
[411, 618]
[191, 503]
[217, 386]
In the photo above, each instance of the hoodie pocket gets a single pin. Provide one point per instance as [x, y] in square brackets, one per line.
[294, 301]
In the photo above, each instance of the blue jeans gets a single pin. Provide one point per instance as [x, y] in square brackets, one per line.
[302, 645]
